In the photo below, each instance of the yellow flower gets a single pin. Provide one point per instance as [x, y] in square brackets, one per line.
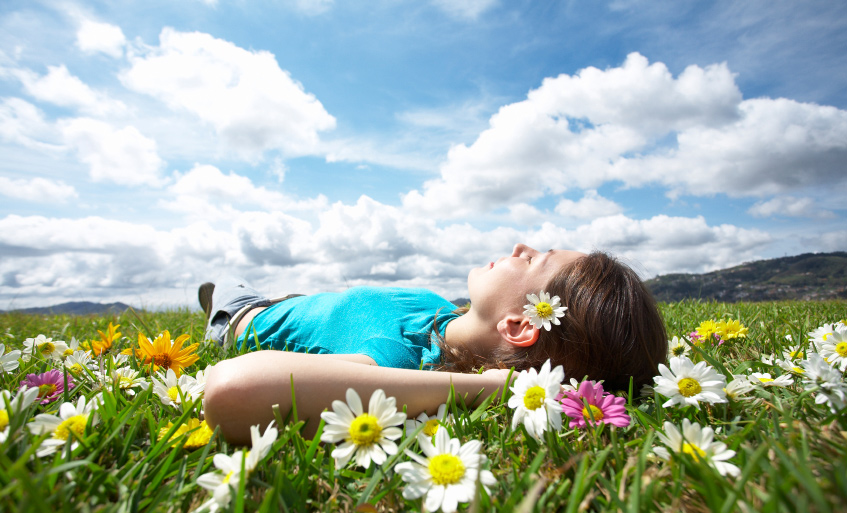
[731, 329]
[199, 435]
[166, 355]
[112, 334]
[707, 329]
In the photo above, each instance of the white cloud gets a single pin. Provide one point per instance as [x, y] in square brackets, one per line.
[674, 244]
[23, 123]
[59, 87]
[367, 243]
[776, 146]
[252, 104]
[94, 36]
[639, 125]
[789, 206]
[123, 156]
[590, 206]
[467, 9]
[205, 192]
[832, 241]
[37, 190]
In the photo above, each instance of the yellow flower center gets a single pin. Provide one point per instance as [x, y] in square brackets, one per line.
[693, 451]
[229, 476]
[841, 349]
[431, 427]
[796, 354]
[75, 368]
[162, 360]
[446, 469]
[125, 382]
[365, 429]
[46, 348]
[689, 387]
[534, 398]
[798, 370]
[76, 424]
[765, 380]
[544, 310]
[45, 390]
[4, 420]
[596, 412]
[68, 352]
[678, 350]
[173, 393]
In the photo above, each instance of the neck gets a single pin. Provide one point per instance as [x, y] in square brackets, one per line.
[467, 331]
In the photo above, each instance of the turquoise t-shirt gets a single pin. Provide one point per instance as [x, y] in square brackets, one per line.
[391, 325]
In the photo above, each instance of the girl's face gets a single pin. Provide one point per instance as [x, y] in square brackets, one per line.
[500, 287]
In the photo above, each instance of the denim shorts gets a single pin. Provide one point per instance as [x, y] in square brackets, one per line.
[233, 298]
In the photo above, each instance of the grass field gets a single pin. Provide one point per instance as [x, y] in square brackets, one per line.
[790, 446]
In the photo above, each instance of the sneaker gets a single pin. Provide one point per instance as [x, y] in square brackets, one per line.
[204, 294]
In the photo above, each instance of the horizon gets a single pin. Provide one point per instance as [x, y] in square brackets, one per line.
[313, 145]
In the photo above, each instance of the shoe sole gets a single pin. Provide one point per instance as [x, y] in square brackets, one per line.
[204, 294]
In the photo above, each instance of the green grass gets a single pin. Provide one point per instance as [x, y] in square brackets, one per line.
[792, 452]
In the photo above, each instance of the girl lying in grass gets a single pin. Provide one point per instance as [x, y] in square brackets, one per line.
[608, 328]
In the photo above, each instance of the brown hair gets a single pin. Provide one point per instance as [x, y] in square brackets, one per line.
[612, 330]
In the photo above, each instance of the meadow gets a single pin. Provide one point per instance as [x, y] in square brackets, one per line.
[145, 448]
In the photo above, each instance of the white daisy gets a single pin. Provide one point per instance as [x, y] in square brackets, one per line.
[431, 423]
[73, 346]
[768, 359]
[44, 347]
[118, 360]
[834, 349]
[9, 361]
[201, 375]
[369, 436]
[448, 473]
[543, 310]
[228, 475]
[173, 391]
[127, 379]
[792, 366]
[573, 385]
[826, 380]
[72, 419]
[739, 386]
[794, 352]
[688, 384]
[765, 379]
[696, 441]
[819, 336]
[677, 347]
[78, 362]
[10, 407]
[534, 399]
[222, 482]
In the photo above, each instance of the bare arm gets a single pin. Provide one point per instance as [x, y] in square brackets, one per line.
[240, 392]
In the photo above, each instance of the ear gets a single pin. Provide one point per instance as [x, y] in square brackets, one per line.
[517, 330]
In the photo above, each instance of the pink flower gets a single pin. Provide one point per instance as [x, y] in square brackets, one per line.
[695, 337]
[604, 407]
[50, 384]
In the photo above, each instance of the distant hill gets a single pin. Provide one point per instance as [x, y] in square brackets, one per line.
[75, 308]
[809, 276]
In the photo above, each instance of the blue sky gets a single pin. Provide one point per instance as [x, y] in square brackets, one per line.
[313, 145]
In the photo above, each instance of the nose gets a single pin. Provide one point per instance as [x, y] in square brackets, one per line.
[521, 249]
